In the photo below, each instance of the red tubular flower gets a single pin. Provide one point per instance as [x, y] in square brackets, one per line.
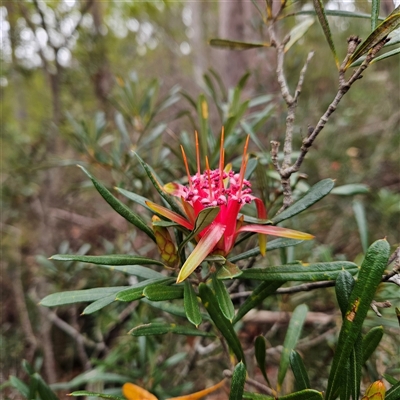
[227, 190]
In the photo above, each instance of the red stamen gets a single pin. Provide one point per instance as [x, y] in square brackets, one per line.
[209, 178]
[197, 154]
[186, 166]
[221, 159]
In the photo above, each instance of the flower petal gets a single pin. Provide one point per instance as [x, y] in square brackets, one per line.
[276, 231]
[262, 214]
[175, 189]
[169, 214]
[202, 250]
[134, 392]
[201, 393]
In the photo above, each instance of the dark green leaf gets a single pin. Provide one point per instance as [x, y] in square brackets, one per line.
[221, 322]
[301, 378]
[256, 298]
[391, 23]
[119, 207]
[95, 394]
[361, 296]
[44, 390]
[191, 305]
[161, 328]
[320, 11]
[344, 285]
[236, 44]
[238, 381]
[307, 394]
[376, 6]
[163, 293]
[297, 272]
[394, 392]
[371, 341]
[135, 292]
[99, 304]
[223, 298]
[260, 353]
[316, 193]
[291, 338]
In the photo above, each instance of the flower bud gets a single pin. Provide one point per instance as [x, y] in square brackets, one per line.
[165, 244]
[376, 391]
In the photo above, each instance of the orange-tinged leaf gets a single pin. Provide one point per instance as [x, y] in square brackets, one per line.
[276, 231]
[134, 392]
[173, 216]
[201, 393]
[202, 250]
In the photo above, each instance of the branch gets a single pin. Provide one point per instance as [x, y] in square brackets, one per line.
[254, 383]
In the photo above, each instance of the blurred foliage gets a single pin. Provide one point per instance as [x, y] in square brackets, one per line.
[123, 83]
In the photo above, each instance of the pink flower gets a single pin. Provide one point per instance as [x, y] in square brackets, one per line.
[227, 190]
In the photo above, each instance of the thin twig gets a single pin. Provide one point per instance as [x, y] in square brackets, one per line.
[254, 383]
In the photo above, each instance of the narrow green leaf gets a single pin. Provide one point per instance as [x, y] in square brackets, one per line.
[302, 381]
[135, 292]
[202, 111]
[95, 394]
[236, 44]
[19, 385]
[391, 23]
[371, 341]
[120, 207]
[361, 218]
[345, 387]
[320, 11]
[161, 328]
[163, 293]
[297, 272]
[228, 271]
[394, 392]
[99, 304]
[260, 349]
[316, 193]
[344, 285]
[393, 381]
[361, 296]
[376, 6]
[376, 59]
[298, 32]
[204, 219]
[257, 396]
[169, 199]
[271, 245]
[191, 304]
[221, 322]
[79, 296]
[43, 388]
[238, 381]
[223, 298]
[335, 13]
[133, 196]
[260, 293]
[351, 189]
[355, 368]
[307, 394]
[136, 270]
[292, 336]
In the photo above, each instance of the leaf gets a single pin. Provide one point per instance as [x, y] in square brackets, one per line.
[320, 11]
[116, 260]
[223, 298]
[391, 23]
[135, 292]
[161, 328]
[43, 388]
[295, 272]
[302, 380]
[238, 381]
[376, 59]
[359, 213]
[260, 353]
[191, 305]
[351, 189]
[335, 13]
[236, 44]
[228, 271]
[133, 196]
[163, 293]
[201, 251]
[307, 394]
[221, 322]
[120, 207]
[344, 285]
[292, 336]
[136, 270]
[19, 385]
[205, 218]
[376, 5]
[316, 193]
[79, 296]
[200, 394]
[98, 304]
[394, 392]
[361, 296]
[95, 394]
[298, 32]
[271, 245]
[370, 342]
[256, 298]
[257, 396]
[134, 392]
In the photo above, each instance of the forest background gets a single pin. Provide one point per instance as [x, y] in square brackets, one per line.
[87, 82]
